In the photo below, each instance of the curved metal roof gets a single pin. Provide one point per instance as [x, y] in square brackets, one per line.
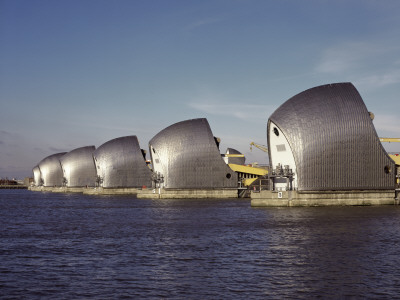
[51, 171]
[78, 167]
[333, 140]
[235, 160]
[121, 163]
[187, 155]
[36, 176]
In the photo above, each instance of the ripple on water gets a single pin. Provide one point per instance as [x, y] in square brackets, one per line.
[74, 246]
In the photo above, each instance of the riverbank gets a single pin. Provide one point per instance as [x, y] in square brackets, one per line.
[145, 193]
[13, 187]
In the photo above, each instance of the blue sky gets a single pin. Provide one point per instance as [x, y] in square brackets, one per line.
[79, 73]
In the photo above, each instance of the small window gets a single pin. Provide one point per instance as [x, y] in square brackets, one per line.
[276, 131]
[228, 175]
[281, 148]
[387, 169]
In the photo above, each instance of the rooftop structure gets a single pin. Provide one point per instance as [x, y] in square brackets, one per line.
[121, 163]
[78, 167]
[233, 156]
[185, 155]
[37, 176]
[324, 139]
[51, 171]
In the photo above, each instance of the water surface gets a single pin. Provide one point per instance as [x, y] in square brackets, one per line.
[73, 246]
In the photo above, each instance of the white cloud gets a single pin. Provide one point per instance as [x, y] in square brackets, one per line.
[379, 80]
[345, 57]
[369, 65]
[243, 111]
[203, 22]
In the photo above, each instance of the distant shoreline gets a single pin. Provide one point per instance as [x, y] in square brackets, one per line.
[13, 187]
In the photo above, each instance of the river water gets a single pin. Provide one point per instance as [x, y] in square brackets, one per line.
[73, 246]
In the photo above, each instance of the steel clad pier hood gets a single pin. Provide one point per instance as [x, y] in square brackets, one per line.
[326, 137]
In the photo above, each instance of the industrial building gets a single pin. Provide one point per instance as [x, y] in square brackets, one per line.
[233, 156]
[322, 140]
[37, 177]
[50, 170]
[186, 155]
[120, 163]
[78, 167]
[185, 163]
[323, 149]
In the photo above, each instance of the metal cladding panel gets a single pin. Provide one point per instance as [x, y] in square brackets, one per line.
[333, 140]
[36, 176]
[78, 167]
[189, 157]
[235, 160]
[120, 163]
[50, 168]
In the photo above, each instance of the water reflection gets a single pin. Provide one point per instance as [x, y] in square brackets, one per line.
[74, 246]
[335, 252]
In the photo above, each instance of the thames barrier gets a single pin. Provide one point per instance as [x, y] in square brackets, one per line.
[323, 149]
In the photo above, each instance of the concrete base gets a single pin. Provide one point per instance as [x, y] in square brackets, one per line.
[87, 190]
[111, 191]
[323, 198]
[57, 189]
[146, 193]
[188, 194]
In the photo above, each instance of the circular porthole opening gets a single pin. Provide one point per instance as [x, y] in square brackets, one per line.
[228, 175]
[387, 169]
[276, 131]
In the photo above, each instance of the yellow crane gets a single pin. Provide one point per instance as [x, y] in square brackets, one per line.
[234, 155]
[395, 157]
[261, 147]
[390, 140]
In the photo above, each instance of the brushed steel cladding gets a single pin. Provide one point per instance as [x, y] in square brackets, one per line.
[120, 163]
[78, 167]
[187, 155]
[235, 160]
[36, 176]
[333, 140]
[51, 171]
